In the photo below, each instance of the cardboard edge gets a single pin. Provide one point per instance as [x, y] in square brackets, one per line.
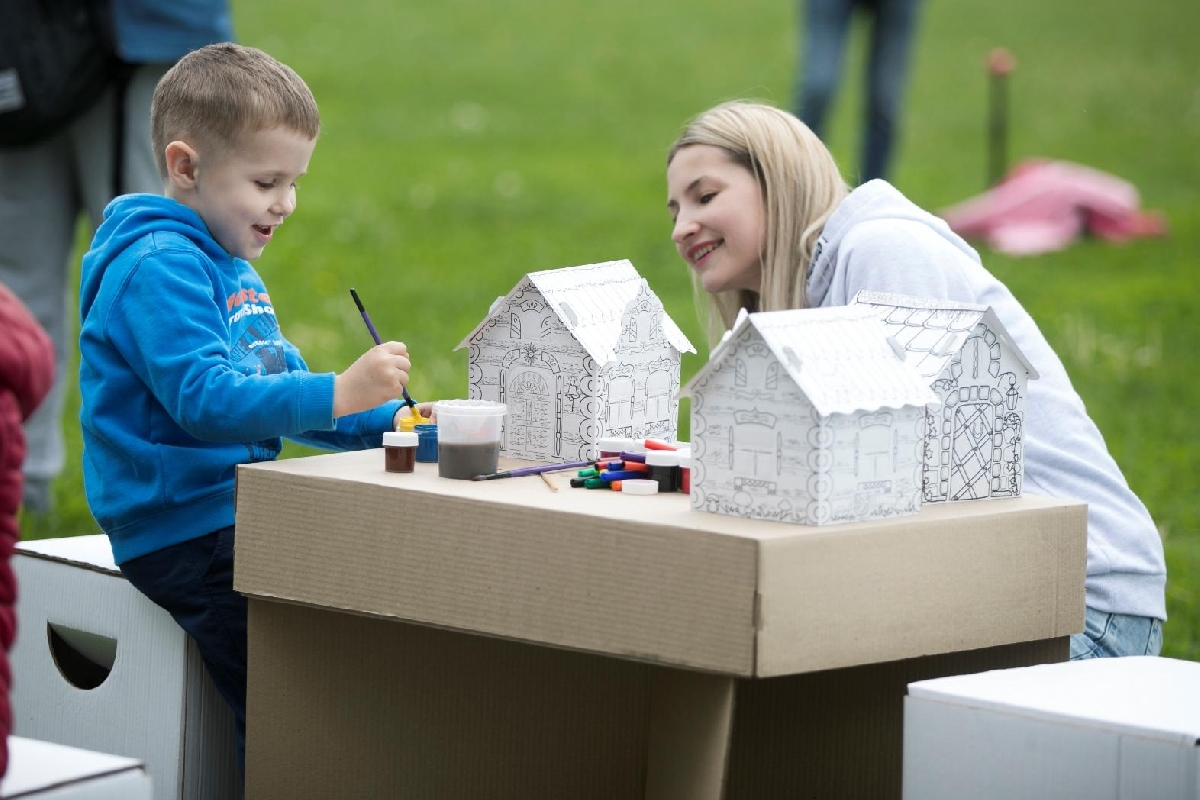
[29, 550]
[1119, 729]
[649, 659]
[1069, 614]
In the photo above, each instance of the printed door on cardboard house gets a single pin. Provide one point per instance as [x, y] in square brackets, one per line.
[972, 453]
[971, 459]
[533, 423]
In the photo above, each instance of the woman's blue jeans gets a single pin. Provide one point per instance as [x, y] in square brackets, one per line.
[1108, 635]
[825, 27]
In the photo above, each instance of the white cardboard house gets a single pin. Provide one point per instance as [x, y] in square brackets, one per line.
[808, 416]
[973, 442]
[578, 353]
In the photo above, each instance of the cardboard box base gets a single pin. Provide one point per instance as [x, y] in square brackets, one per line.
[44, 771]
[1114, 728]
[98, 666]
[382, 708]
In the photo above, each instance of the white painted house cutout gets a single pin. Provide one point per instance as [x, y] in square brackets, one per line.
[578, 353]
[808, 416]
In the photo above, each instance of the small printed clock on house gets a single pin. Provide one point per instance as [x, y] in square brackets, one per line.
[578, 353]
[808, 416]
[973, 442]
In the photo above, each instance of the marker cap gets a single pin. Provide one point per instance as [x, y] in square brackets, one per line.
[662, 458]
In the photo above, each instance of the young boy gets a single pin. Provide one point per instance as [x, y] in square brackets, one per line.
[184, 372]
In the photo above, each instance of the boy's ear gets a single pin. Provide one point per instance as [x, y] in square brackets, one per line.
[181, 164]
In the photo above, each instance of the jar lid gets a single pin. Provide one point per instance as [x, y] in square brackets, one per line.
[469, 408]
[662, 458]
[409, 421]
[639, 486]
[401, 439]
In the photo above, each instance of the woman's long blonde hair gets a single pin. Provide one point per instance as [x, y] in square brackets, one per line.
[800, 185]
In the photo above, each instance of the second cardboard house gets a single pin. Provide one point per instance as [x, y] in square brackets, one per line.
[973, 441]
[808, 416]
[578, 353]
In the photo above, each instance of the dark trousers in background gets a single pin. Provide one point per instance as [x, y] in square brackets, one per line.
[826, 25]
[193, 581]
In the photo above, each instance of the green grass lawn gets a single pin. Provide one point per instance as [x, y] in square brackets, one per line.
[467, 144]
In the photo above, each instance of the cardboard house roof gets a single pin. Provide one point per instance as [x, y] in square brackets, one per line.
[841, 358]
[933, 331]
[590, 301]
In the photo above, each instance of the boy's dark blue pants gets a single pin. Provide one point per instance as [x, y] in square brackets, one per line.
[193, 581]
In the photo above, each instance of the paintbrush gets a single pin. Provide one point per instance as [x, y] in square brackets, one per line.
[408, 401]
[517, 473]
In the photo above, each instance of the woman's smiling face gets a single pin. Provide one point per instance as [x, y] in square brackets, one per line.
[720, 221]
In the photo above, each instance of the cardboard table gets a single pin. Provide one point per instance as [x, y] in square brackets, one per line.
[415, 637]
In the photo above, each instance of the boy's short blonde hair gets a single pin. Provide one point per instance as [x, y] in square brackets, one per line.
[800, 187]
[220, 92]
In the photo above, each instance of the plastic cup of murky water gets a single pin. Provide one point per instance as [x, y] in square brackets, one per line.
[468, 437]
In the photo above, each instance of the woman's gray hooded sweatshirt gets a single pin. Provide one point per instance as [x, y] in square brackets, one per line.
[878, 240]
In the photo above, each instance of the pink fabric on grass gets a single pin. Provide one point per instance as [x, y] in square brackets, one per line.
[1042, 206]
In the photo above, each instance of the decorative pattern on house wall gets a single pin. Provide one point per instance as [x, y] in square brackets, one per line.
[973, 445]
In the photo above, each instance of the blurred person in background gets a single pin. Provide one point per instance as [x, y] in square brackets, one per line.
[826, 25]
[26, 372]
[102, 149]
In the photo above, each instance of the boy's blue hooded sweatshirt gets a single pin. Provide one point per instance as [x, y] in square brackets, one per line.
[184, 374]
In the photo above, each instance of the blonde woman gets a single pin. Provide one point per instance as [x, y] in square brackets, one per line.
[762, 216]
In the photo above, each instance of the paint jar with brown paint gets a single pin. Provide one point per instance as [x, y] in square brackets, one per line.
[400, 451]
